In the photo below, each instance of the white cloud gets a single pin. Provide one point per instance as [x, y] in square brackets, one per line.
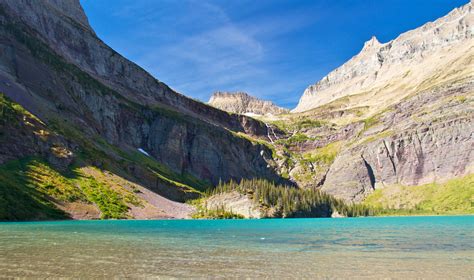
[200, 48]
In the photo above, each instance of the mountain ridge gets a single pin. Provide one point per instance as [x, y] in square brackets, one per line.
[375, 64]
[107, 110]
[243, 103]
[88, 134]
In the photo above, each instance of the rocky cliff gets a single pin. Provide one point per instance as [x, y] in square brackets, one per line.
[85, 133]
[384, 73]
[427, 138]
[397, 114]
[242, 103]
[58, 69]
[115, 115]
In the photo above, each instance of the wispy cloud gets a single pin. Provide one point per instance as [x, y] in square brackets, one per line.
[221, 54]
[198, 47]
[272, 49]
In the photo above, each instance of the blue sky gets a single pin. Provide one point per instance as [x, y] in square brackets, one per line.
[272, 49]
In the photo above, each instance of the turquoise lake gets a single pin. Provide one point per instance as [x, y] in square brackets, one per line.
[391, 247]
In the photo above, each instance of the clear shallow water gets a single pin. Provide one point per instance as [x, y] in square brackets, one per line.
[394, 247]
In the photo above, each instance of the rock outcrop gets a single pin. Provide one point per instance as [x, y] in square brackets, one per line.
[235, 203]
[427, 138]
[401, 114]
[242, 103]
[106, 109]
[57, 68]
[384, 73]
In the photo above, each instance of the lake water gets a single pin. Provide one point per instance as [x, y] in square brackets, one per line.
[392, 247]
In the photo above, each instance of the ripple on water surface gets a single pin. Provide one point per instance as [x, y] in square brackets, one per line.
[414, 247]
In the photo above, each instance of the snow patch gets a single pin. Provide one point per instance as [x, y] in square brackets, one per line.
[250, 114]
[143, 152]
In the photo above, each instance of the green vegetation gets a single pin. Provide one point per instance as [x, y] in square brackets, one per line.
[369, 122]
[7, 111]
[257, 142]
[115, 159]
[104, 154]
[372, 138]
[185, 181]
[49, 181]
[31, 189]
[24, 195]
[215, 214]
[10, 112]
[374, 120]
[324, 155]
[285, 201]
[455, 196]
[90, 151]
[295, 139]
[315, 163]
[461, 99]
[112, 204]
[211, 214]
[297, 123]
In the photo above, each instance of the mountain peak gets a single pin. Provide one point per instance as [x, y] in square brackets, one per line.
[243, 103]
[218, 94]
[72, 9]
[372, 43]
[398, 60]
[65, 9]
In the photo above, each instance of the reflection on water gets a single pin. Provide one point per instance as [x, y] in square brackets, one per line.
[411, 247]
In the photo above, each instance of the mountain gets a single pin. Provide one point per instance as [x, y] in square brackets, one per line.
[397, 114]
[242, 103]
[391, 129]
[85, 115]
[383, 74]
[87, 134]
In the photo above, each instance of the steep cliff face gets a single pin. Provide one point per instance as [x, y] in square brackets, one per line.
[85, 120]
[427, 138]
[53, 64]
[65, 30]
[44, 175]
[397, 114]
[242, 103]
[382, 74]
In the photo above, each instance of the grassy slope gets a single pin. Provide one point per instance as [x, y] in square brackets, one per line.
[24, 192]
[455, 196]
[31, 189]
[43, 53]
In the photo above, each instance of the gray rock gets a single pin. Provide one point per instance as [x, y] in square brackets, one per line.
[57, 68]
[242, 103]
[435, 150]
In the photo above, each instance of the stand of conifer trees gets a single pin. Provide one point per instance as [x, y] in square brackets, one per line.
[285, 201]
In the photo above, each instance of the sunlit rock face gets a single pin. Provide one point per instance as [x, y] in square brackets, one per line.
[242, 103]
[405, 109]
[383, 73]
